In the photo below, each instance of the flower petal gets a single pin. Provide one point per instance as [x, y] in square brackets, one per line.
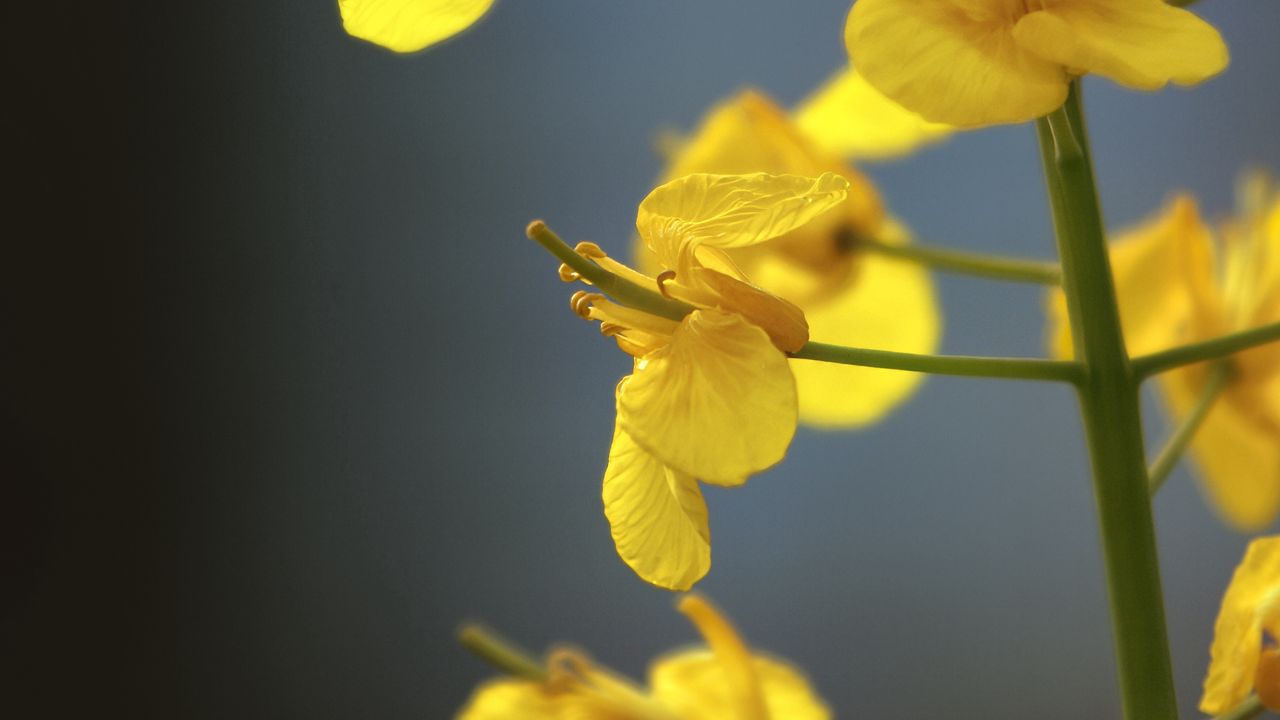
[1237, 633]
[506, 698]
[409, 25]
[717, 403]
[657, 516]
[732, 211]
[1142, 44]
[939, 60]
[847, 117]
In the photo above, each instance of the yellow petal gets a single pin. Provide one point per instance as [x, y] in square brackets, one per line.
[504, 699]
[732, 211]
[847, 117]
[717, 403]
[783, 321]
[657, 516]
[1237, 633]
[409, 25]
[1267, 679]
[885, 304]
[1142, 44]
[950, 65]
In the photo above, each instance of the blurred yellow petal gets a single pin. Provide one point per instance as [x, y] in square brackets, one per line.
[732, 211]
[847, 117]
[717, 403]
[657, 516]
[1252, 596]
[504, 699]
[1267, 679]
[953, 63]
[1142, 44]
[409, 25]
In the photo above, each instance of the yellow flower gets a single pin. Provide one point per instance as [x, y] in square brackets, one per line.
[980, 62]
[409, 25]
[724, 679]
[1241, 661]
[849, 118]
[712, 396]
[1177, 281]
[849, 297]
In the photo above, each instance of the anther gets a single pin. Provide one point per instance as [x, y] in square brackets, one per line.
[588, 249]
[568, 274]
[581, 303]
[609, 329]
[663, 278]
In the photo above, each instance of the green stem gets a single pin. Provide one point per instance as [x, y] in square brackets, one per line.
[969, 366]
[1251, 707]
[1108, 394]
[995, 268]
[500, 653]
[620, 289]
[1177, 444]
[1149, 365]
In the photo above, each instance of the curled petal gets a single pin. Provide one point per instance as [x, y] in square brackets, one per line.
[847, 117]
[1237, 633]
[717, 403]
[409, 25]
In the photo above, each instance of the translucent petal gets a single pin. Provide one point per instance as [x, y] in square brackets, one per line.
[847, 117]
[949, 65]
[409, 25]
[1142, 44]
[657, 516]
[717, 403]
[1237, 634]
[505, 698]
[731, 211]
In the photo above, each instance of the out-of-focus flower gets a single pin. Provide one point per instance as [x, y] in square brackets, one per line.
[712, 396]
[849, 297]
[1178, 281]
[1242, 661]
[409, 25]
[981, 62]
[722, 680]
[849, 118]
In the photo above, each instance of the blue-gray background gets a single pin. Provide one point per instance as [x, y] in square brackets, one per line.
[367, 413]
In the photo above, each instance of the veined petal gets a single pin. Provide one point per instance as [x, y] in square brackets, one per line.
[848, 117]
[949, 65]
[732, 211]
[1237, 634]
[1142, 44]
[503, 699]
[409, 25]
[717, 403]
[657, 516]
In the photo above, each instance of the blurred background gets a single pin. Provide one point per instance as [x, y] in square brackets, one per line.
[292, 396]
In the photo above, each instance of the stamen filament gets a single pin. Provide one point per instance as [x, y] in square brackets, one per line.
[1177, 444]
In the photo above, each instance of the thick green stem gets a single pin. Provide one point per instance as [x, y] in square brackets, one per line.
[1218, 347]
[968, 366]
[1108, 394]
[1172, 452]
[987, 266]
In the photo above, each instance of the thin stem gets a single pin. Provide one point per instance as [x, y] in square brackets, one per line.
[1108, 394]
[620, 289]
[988, 266]
[500, 653]
[1250, 707]
[1172, 452]
[1149, 365]
[968, 366]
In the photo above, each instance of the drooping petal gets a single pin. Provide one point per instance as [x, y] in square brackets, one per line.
[1237, 634]
[1142, 44]
[507, 698]
[847, 117]
[951, 64]
[409, 25]
[717, 403]
[732, 211]
[783, 321]
[657, 516]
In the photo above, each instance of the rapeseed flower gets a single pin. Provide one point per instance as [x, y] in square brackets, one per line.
[1246, 638]
[847, 117]
[723, 679]
[1178, 280]
[849, 297]
[980, 62]
[409, 25]
[711, 396]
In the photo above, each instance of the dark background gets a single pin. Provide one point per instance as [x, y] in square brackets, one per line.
[288, 395]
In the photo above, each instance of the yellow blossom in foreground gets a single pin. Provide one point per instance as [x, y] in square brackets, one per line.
[1178, 281]
[1242, 660]
[848, 297]
[723, 680]
[711, 396]
[409, 25]
[981, 62]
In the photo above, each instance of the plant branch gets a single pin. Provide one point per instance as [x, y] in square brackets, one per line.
[968, 366]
